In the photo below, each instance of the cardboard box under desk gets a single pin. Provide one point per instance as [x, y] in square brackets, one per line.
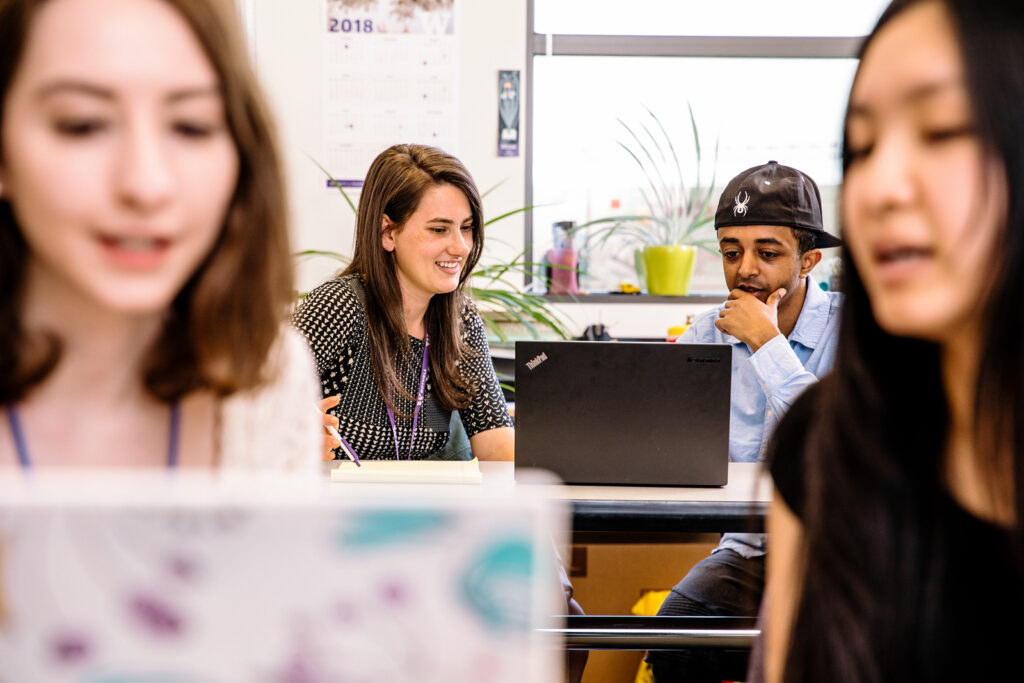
[615, 576]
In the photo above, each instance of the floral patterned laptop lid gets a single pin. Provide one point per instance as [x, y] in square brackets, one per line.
[145, 579]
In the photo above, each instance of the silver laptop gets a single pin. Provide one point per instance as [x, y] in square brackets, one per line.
[637, 413]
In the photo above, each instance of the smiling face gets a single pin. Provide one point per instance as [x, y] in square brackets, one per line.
[922, 206]
[117, 159]
[759, 259]
[431, 247]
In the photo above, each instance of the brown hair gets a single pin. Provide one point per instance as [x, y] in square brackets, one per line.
[226, 317]
[394, 185]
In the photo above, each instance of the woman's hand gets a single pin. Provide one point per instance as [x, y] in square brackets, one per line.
[330, 426]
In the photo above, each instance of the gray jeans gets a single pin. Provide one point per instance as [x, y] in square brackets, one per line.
[724, 584]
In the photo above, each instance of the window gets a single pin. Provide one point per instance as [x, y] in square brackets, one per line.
[755, 96]
[851, 18]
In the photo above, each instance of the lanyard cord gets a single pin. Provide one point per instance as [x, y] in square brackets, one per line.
[20, 444]
[25, 460]
[420, 393]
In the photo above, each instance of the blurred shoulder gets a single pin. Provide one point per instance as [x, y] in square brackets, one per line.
[787, 449]
[275, 426]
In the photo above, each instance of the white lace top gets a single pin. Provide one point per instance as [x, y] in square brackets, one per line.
[276, 426]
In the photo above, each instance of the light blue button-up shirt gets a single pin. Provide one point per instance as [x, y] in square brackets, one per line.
[765, 383]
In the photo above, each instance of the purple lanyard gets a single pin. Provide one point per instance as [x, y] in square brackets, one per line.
[419, 401]
[25, 460]
[420, 393]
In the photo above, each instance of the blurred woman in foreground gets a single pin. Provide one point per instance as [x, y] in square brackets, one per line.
[897, 545]
[144, 259]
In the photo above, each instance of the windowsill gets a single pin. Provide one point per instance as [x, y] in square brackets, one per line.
[506, 350]
[615, 298]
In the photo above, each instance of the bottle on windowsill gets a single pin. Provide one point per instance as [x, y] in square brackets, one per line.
[563, 260]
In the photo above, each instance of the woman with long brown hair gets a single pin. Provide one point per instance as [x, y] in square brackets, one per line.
[144, 257]
[395, 337]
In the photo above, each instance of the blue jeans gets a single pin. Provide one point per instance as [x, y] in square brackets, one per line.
[457, 447]
[724, 584]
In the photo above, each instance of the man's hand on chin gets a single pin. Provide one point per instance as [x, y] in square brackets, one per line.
[746, 318]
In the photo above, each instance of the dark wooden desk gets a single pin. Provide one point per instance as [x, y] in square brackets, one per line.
[649, 513]
[645, 511]
[663, 516]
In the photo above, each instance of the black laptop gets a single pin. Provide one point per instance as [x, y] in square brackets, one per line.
[637, 413]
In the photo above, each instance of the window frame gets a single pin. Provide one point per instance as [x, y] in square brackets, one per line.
[550, 45]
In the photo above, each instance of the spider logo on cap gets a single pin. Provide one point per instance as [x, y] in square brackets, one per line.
[741, 204]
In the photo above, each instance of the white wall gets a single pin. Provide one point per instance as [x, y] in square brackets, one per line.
[491, 37]
[288, 53]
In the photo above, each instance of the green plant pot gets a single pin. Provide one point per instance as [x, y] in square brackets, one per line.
[641, 268]
[669, 269]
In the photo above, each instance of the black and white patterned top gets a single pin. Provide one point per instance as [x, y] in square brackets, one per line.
[333, 319]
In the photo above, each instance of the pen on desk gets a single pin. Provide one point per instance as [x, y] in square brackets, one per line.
[343, 445]
[345, 448]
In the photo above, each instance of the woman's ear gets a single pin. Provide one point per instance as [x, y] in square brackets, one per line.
[387, 233]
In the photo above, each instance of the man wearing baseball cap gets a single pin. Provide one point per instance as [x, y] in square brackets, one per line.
[783, 331]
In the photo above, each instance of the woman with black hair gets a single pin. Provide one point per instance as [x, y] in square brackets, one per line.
[896, 530]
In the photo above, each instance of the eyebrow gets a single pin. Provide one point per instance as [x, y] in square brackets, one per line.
[100, 92]
[915, 95]
[448, 221]
[760, 240]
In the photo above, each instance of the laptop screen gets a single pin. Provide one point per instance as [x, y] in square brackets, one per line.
[639, 413]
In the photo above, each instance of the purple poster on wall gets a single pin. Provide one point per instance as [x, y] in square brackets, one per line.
[508, 113]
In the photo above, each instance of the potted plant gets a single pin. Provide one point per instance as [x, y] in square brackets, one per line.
[678, 217]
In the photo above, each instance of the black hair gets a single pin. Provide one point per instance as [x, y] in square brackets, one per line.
[874, 450]
[805, 239]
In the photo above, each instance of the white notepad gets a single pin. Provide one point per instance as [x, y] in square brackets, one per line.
[408, 472]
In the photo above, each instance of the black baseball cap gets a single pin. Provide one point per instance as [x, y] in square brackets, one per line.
[773, 194]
